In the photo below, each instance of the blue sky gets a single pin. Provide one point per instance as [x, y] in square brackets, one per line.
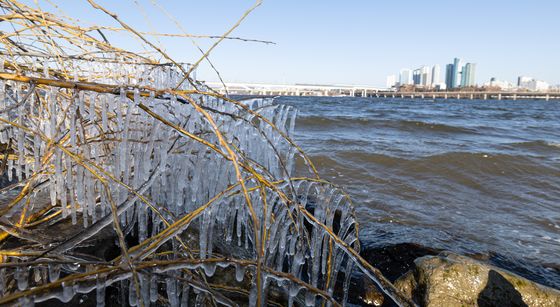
[354, 42]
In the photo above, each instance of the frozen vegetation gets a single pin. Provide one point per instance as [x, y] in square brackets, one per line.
[193, 194]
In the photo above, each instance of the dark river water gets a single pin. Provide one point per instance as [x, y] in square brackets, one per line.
[475, 177]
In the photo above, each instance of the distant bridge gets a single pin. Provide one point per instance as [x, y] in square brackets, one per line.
[263, 89]
[294, 90]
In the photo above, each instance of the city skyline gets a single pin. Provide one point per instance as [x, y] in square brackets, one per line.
[353, 42]
[456, 75]
[459, 74]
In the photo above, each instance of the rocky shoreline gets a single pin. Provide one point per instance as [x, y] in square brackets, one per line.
[432, 277]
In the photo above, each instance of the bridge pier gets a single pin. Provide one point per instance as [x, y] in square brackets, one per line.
[472, 96]
[514, 97]
[547, 97]
[500, 96]
[485, 96]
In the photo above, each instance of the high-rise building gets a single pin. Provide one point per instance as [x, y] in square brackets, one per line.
[457, 75]
[457, 70]
[449, 76]
[422, 76]
[435, 74]
[425, 76]
[468, 75]
[405, 77]
[417, 77]
[391, 81]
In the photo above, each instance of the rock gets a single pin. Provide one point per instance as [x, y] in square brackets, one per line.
[393, 261]
[396, 259]
[371, 295]
[452, 280]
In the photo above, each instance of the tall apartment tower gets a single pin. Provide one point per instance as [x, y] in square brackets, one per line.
[405, 77]
[468, 75]
[417, 77]
[435, 74]
[425, 76]
[457, 72]
[449, 76]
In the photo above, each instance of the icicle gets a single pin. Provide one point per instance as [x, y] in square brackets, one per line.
[70, 185]
[22, 277]
[53, 114]
[73, 131]
[54, 272]
[239, 272]
[132, 297]
[37, 275]
[67, 292]
[46, 69]
[21, 145]
[253, 296]
[209, 268]
[37, 153]
[100, 291]
[10, 169]
[2, 281]
[104, 120]
[310, 299]
[59, 181]
[185, 296]
[125, 157]
[172, 295]
[144, 280]
[91, 112]
[81, 104]
[153, 289]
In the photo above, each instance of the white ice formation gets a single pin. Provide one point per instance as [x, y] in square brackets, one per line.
[164, 165]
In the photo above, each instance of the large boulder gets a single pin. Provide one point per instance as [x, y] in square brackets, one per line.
[452, 280]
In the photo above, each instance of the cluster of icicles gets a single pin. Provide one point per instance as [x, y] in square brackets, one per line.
[144, 160]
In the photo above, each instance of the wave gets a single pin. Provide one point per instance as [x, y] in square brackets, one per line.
[538, 145]
[454, 163]
[403, 125]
